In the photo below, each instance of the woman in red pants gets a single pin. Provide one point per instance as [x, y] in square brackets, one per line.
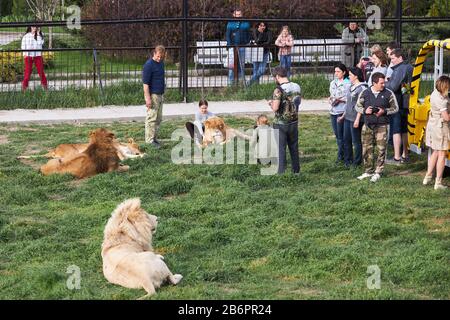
[33, 40]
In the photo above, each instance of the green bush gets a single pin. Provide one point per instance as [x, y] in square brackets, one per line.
[7, 73]
[10, 66]
[73, 41]
[130, 93]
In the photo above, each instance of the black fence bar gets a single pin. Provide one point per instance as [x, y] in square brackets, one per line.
[309, 57]
[184, 54]
[186, 50]
[225, 19]
[398, 23]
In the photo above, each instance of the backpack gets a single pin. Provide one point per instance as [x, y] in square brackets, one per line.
[288, 111]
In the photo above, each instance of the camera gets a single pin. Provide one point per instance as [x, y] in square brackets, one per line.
[375, 110]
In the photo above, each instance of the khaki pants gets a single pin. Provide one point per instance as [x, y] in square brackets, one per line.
[377, 137]
[154, 118]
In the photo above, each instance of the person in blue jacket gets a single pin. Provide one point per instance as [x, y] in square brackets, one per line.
[238, 33]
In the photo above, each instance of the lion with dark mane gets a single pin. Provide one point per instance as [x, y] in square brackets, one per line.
[99, 157]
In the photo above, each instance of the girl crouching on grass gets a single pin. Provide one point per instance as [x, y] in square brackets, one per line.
[197, 127]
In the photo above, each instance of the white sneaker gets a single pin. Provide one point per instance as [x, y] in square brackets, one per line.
[427, 180]
[439, 186]
[375, 177]
[364, 176]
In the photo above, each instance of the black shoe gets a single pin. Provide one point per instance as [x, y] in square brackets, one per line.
[395, 162]
[404, 159]
[155, 144]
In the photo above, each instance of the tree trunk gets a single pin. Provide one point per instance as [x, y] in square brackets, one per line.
[50, 37]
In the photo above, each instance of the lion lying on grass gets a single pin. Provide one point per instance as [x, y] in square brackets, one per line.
[128, 150]
[99, 157]
[125, 151]
[216, 131]
[128, 257]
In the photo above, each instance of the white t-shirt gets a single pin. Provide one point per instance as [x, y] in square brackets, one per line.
[29, 43]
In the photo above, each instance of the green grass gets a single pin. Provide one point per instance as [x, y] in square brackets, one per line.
[124, 94]
[231, 232]
[56, 29]
[83, 61]
[127, 93]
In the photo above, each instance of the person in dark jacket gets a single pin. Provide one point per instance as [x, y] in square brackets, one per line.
[238, 34]
[375, 104]
[262, 36]
[399, 83]
[352, 122]
[355, 38]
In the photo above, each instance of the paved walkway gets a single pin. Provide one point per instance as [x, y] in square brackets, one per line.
[137, 113]
[8, 37]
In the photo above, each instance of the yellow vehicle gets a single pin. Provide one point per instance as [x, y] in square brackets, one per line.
[419, 110]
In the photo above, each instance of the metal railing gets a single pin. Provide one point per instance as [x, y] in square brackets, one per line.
[191, 64]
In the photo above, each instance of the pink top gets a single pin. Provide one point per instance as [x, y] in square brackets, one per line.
[285, 44]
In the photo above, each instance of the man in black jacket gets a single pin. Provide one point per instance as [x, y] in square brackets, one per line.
[262, 36]
[399, 83]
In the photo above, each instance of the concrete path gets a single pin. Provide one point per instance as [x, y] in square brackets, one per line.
[7, 37]
[137, 113]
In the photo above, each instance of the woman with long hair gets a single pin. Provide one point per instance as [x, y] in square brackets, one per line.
[438, 132]
[352, 122]
[285, 42]
[339, 88]
[33, 40]
[380, 64]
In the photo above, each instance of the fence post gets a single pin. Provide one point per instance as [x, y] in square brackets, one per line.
[97, 71]
[94, 67]
[399, 22]
[184, 51]
[235, 65]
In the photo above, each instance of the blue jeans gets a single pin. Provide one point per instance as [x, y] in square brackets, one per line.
[338, 128]
[285, 62]
[259, 68]
[288, 136]
[241, 65]
[352, 139]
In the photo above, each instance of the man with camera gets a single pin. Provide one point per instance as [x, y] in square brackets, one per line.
[375, 104]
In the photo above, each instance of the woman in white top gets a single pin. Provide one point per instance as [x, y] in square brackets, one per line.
[33, 40]
[339, 88]
[380, 62]
[438, 132]
[196, 128]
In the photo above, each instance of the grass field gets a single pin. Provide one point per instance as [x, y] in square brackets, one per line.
[231, 232]
[130, 93]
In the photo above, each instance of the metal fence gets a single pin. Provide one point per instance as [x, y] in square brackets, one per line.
[194, 63]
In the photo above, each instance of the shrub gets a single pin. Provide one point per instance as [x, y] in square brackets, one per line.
[11, 64]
